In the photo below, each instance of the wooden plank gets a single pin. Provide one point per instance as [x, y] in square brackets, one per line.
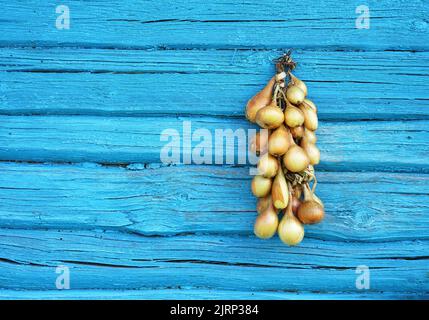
[117, 261]
[159, 201]
[345, 85]
[393, 25]
[195, 294]
[345, 146]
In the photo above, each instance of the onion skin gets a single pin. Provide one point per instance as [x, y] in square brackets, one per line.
[297, 132]
[311, 122]
[261, 186]
[290, 230]
[312, 151]
[259, 100]
[310, 104]
[299, 83]
[270, 117]
[280, 191]
[310, 136]
[264, 204]
[259, 142]
[266, 224]
[279, 141]
[293, 116]
[295, 95]
[310, 212]
[295, 204]
[268, 166]
[296, 159]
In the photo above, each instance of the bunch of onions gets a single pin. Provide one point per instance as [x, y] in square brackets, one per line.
[287, 154]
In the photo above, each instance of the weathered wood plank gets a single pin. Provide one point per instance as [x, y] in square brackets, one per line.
[345, 146]
[203, 199]
[345, 85]
[196, 294]
[111, 260]
[393, 24]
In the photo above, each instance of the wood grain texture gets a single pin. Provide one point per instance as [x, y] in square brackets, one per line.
[394, 24]
[345, 85]
[349, 146]
[159, 201]
[99, 95]
[129, 261]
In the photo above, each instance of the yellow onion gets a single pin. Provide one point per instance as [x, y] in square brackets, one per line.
[259, 100]
[299, 83]
[311, 121]
[266, 224]
[296, 159]
[311, 150]
[270, 117]
[295, 95]
[264, 203]
[279, 190]
[268, 166]
[297, 132]
[290, 230]
[310, 211]
[310, 104]
[310, 136]
[293, 116]
[279, 141]
[259, 142]
[261, 186]
[295, 204]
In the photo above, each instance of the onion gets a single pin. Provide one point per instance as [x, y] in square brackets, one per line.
[279, 190]
[296, 159]
[270, 117]
[299, 83]
[261, 186]
[266, 224]
[310, 136]
[279, 141]
[293, 116]
[290, 230]
[311, 121]
[311, 150]
[268, 166]
[295, 95]
[310, 104]
[297, 132]
[310, 211]
[264, 203]
[260, 100]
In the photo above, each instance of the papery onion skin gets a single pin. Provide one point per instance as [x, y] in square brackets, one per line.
[270, 117]
[293, 116]
[264, 204]
[295, 95]
[310, 212]
[297, 132]
[268, 166]
[266, 224]
[296, 159]
[280, 191]
[290, 230]
[259, 142]
[261, 186]
[259, 100]
[279, 141]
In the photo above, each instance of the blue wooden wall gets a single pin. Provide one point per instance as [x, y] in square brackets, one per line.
[81, 183]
